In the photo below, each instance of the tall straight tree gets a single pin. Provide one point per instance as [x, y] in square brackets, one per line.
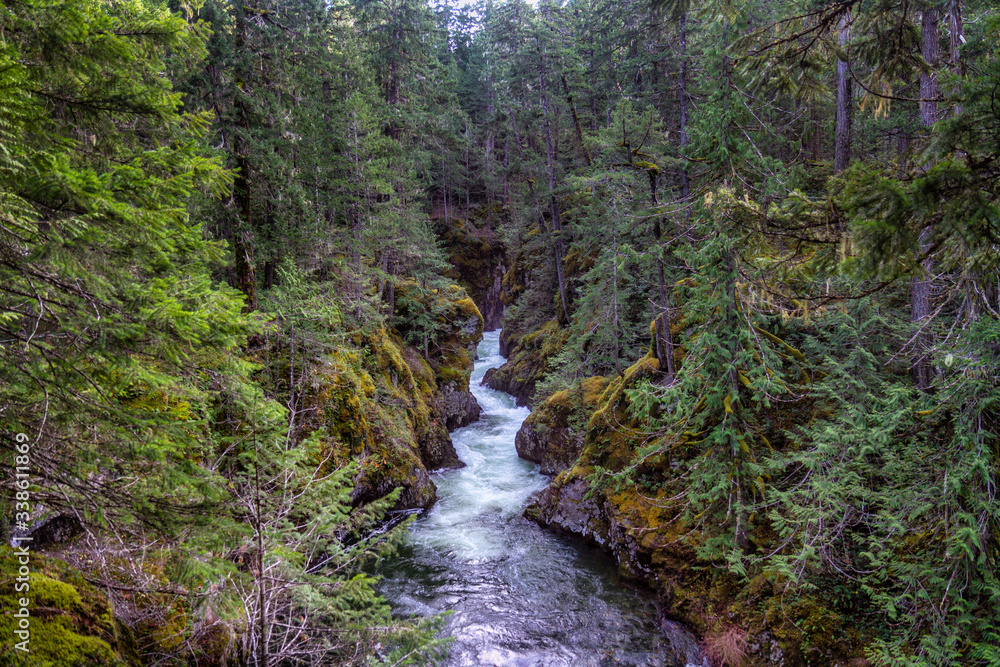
[922, 283]
[845, 99]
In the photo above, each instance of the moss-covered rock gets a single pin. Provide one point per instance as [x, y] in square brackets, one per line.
[646, 530]
[478, 260]
[375, 409]
[389, 405]
[553, 433]
[71, 622]
[528, 362]
[452, 360]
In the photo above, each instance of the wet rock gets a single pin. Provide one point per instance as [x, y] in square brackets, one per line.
[643, 528]
[492, 306]
[418, 491]
[528, 361]
[436, 449]
[567, 508]
[458, 406]
[477, 257]
[554, 449]
[553, 434]
[452, 361]
[503, 379]
[684, 645]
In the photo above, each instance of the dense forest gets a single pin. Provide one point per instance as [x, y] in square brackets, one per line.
[745, 256]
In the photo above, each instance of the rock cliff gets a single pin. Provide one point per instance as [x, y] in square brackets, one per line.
[385, 404]
[753, 621]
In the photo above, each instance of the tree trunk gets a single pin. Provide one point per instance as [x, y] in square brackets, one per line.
[682, 94]
[615, 322]
[664, 339]
[242, 236]
[576, 120]
[921, 301]
[956, 35]
[355, 218]
[845, 104]
[553, 200]
[468, 177]
[733, 308]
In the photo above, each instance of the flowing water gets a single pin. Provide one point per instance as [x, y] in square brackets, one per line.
[521, 596]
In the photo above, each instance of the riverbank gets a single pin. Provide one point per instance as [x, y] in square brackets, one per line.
[518, 594]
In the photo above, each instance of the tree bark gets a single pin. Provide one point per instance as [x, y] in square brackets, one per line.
[845, 104]
[956, 37]
[921, 287]
[664, 339]
[682, 94]
[242, 235]
[576, 120]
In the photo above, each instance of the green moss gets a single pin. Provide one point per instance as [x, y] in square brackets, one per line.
[473, 250]
[648, 166]
[71, 623]
[658, 544]
[376, 398]
[528, 362]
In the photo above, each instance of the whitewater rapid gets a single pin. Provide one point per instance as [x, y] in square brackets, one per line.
[521, 596]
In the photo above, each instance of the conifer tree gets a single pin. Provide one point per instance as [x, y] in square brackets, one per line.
[111, 321]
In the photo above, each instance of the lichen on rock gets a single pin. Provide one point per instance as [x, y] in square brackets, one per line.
[527, 362]
[646, 529]
[389, 404]
[477, 257]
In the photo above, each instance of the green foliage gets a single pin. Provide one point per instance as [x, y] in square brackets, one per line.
[80, 628]
[114, 333]
[791, 445]
[675, 171]
[717, 414]
[123, 355]
[894, 491]
[302, 556]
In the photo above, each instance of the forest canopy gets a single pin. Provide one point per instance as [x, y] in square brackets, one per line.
[245, 249]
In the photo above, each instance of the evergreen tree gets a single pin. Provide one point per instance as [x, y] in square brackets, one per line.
[112, 325]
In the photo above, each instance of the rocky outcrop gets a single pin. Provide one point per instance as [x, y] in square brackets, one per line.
[457, 405]
[639, 531]
[553, 450]
[379, 401]
[644, 525]
[568, 508]
[492, 305]
[417, 488]
[50, 532]
[452, 361]
[477, 258]
[71, 622]
[553, 434]
[527, 361]
[635, 530]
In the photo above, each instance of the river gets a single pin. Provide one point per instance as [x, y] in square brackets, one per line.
[521, 596]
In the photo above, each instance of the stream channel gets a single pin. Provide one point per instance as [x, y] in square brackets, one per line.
[521, 596]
